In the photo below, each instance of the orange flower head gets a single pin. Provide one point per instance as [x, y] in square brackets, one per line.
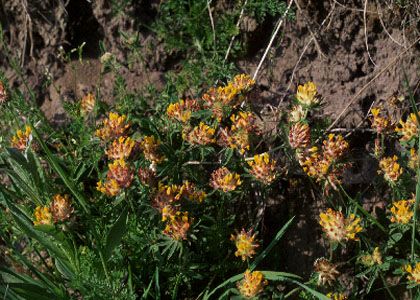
[61, 208]
[120, 148]
[150, 146]
[299, 136]
[200, 135]
[245, 244]
[243, 82]
[121, 172]
[182, 110]
[146, 176]
[223, 179]
[42, 215]
[110, 187]
[327, 271]
[177, 225]
[338, 228]
[263, 168]
[334, 147]
[252, 284]
[113, 127]
[390, 168]
[402, 211]
[243, 121]
[380, 123]
[21, 140]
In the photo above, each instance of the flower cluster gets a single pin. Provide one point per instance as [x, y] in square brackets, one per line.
[299, 136]
[245, 244]
[390, 168]
[177, 225]
[370, 260]
[409, 129]
[414, 273]
[87, 104]
[327, 271]
[252, 284]
[182, 110]
[119, 176]
[199, 135]
[381, 123]
[306, 94]
[402, 211]
[238, 135]
[338, 228]
[150, 147]
[223, 179]
[113, 127]
[21, 140]
[120, 148]
[263, 168]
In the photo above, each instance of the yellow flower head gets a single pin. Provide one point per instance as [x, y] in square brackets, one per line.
[338, 228]
[306, 94]
[110, 187]
[200, 135]
[390, 168]
[245, 244]
[263, 168]
[336, 296]
[150, 146]
[413, 162]
[121, 172]
[413, 273]
[182, 110]
[42, 215]
[61, 208]
[327, 271]
[227, 95]
[87, 104]
[21, 139]
[334, 147]
[112, 127]
[297, 114]
[380, 123]
[252, 284]
[371, 259]
[120, 148]
[243, 121]
[177, 224]
[243, 82]
[408, 129]
[402, 211]
[225, 180]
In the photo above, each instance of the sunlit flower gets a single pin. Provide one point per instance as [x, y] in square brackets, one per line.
[327, 271]
[3, 93]
[245, 244]
[211, 101]
[200, 135]
[297, 114]
[380, 123]
[121, 172]
[61, 208]
[299, 135]
[402, 211]
[120, 148]
[150, 146]
[306, 94]
[42, 215]
[243, 82]
[87, 104]
[390, 168]
[252, 284]
[227, 95]
[244, 120]
[112, 127]
[21, 140]
[414, 273]
[338, 228]
[177, 225]
[225, 180]
[408, 129]
[110, 187]
[182, 109]
[190, 191]
[336, 296]
[263, 168]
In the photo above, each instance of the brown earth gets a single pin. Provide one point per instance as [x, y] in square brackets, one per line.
[326, 44]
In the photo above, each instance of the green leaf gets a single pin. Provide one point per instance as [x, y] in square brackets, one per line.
[55, 164]
[115, 234]
[276, 239]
